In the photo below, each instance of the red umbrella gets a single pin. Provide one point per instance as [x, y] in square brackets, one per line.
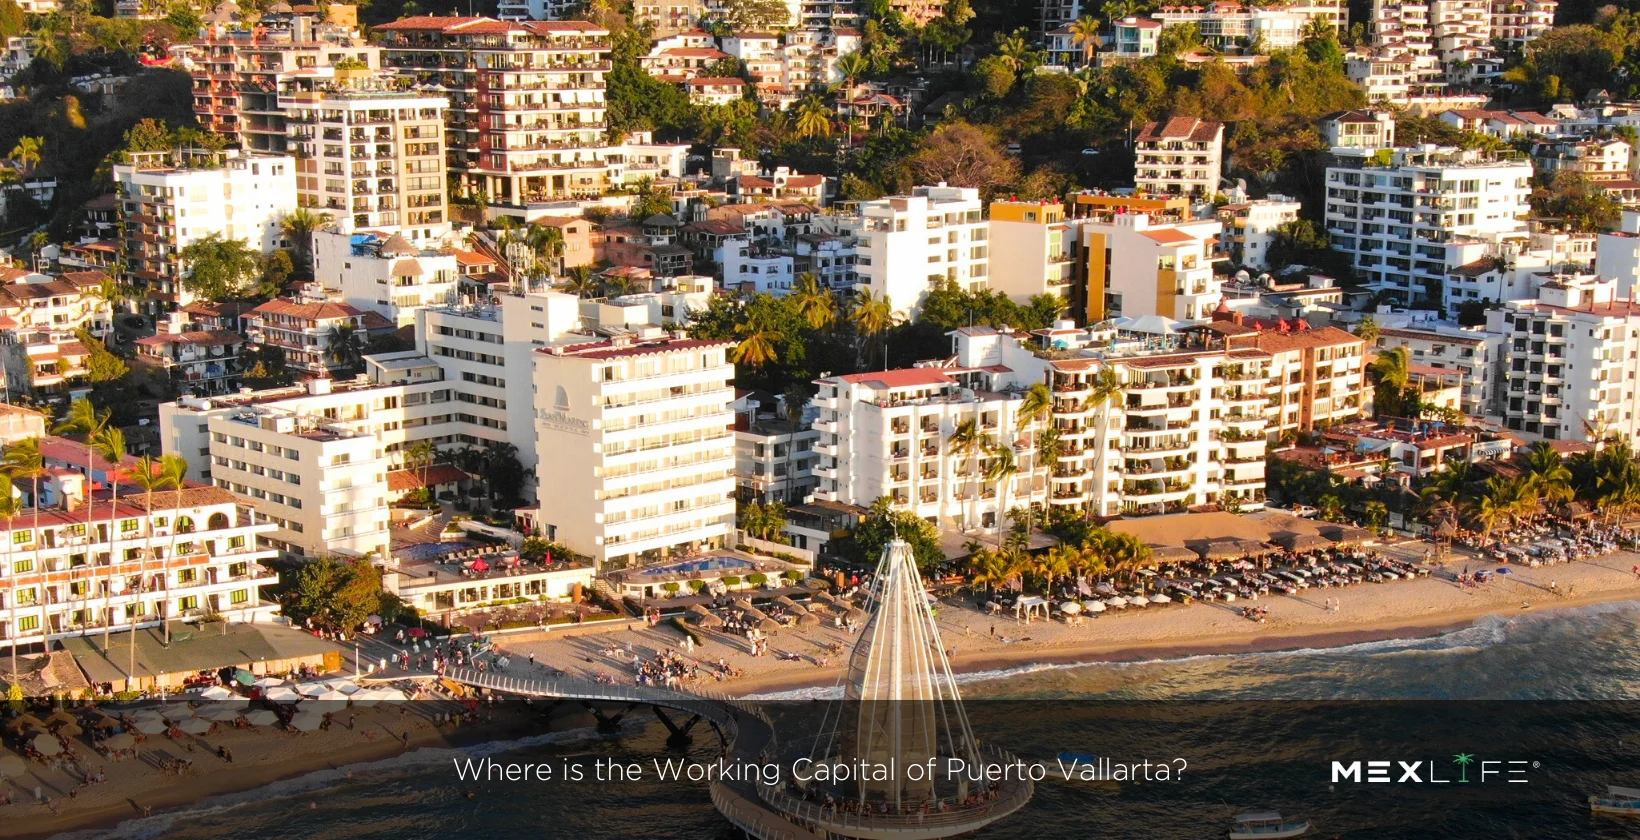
[417, 632]
[479, 565]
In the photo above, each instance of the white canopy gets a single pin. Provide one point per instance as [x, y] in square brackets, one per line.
[1148, 324]
[149, 726]
[216, 692]
[223, 714]
[307, 723]
[1070, 608]
[268, 682]
[47, 744]
[11, 765]
[281, 694]
[312, 689]
[1093, 606]
[261, 717]
[195, 726]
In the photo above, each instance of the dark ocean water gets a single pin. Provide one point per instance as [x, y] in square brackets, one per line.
[1557, 692]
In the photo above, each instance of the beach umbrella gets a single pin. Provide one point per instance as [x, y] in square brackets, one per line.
[176, 711]
[47, 744]
[235, 702]
[195, 726]
[312, 689]
[1138, 601]
[417, 632]
[27, 721]
[261, 717]
[389, 695]
[1506, 571]
[268, 682]
[306, 723]
[1070, 608]
[1094, 606]
[122, 741]
[344, 686]
[11, 765]
[244, 677]
[221, 715]
[149, 726]
[374, 619]
[215, 692]
[60, 717]
[1117, 601]
[319, 706]
[281, 694]
[70, 730]
[1159, 599]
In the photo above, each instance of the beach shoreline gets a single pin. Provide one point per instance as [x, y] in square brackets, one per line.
[978, 644]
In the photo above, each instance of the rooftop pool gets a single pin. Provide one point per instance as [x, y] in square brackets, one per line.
[704, 564]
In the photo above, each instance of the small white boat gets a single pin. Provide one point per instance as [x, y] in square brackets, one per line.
[1621, 801]
[1263, 825]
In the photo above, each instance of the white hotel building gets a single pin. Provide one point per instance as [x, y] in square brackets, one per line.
[908, 244]
[1187, 429]
[197, 554]
[1399, 223]
[636, 425]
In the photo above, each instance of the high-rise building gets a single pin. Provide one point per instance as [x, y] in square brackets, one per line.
[169, 201]
[1031, 250]
[1182, 156]
[636, 425]
[907, 245]
[1570, 362]
[526, 121]
[372, 158]
[1250, 228]
[385, 274]
[118, 567]
[239, 73]
[1134, 266]
[1399, 217]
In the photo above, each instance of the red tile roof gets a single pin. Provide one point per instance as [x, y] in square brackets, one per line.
[306, 311]
[903, 378]
[1182, 128]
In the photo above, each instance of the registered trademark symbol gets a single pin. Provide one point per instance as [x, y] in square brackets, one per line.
[1536, 765]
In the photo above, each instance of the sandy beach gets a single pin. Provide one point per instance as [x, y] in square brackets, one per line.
[1366, 612]
[977, 642]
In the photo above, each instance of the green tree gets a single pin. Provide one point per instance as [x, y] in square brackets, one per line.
[335, 593]
[884, 523]
[216, 268]
[1583, 204]
[103, 366]
[27, 152]
[344, 348]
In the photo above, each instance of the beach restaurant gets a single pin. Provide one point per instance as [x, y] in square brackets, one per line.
[194, 650]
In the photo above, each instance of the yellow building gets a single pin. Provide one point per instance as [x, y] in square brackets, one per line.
[1031, 250]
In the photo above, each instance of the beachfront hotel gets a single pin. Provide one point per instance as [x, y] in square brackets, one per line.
[90, 568]
[1185, 427]
[636, 424]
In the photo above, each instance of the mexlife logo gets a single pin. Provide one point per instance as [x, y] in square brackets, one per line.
[1432, 771]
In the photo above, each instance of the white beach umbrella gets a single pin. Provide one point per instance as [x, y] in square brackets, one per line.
[336, 696]
[366, 698]
[1159, 599]
[307, 723]
[1070, 608]
[390, 695]
[11, 765]
[1117, 601]
[344, 686]
[195, 726]
[177, 711]
[47, 744]
[281, 694]
[312, 689]
[235, 702]
[122, 741]
[261, 717]
[315, 705]
[220, 714]
[1094, 606]
[268, 682]
[215, 692]
[1138, 601]
[149, 726]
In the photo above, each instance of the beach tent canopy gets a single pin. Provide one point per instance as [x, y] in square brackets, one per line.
[215, 692]
[1345, 534]
[1231, 548]
[261, 717]
[1171, 554]
[195, 726]
[1293, 541]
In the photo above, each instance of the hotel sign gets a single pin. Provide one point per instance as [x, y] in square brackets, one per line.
[561, 421]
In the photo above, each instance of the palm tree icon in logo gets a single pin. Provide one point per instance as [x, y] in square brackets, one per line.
[1463, 760]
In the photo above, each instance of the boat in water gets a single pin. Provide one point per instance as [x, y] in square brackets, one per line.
[1264, 825]
[1622, 801]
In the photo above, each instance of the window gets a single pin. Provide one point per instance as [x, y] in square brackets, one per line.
[28, 623]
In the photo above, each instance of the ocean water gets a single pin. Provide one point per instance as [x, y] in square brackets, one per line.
[1554, 692]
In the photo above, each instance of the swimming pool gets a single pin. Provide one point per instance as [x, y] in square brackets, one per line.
[704, 564]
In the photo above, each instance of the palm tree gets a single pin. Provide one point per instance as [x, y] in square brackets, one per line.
[342, 348]
[109, 443]
[967, 441]
[1014, 50]
[1085, 31]
[27, 152]
[617, 286]
[548, 242]
[852, 66]
[1034, 409]
[421, 453]
[1394, 368]
[1002, 470]
[83, 418]
[814, 302]
[813, 118]
[757, 344]
[872, 316]
[1551, 479]
[10, 507]
[23, 460]
[298, 226]
[1367, 330]
[581, 283]
[1104, 387]
[169, 471]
